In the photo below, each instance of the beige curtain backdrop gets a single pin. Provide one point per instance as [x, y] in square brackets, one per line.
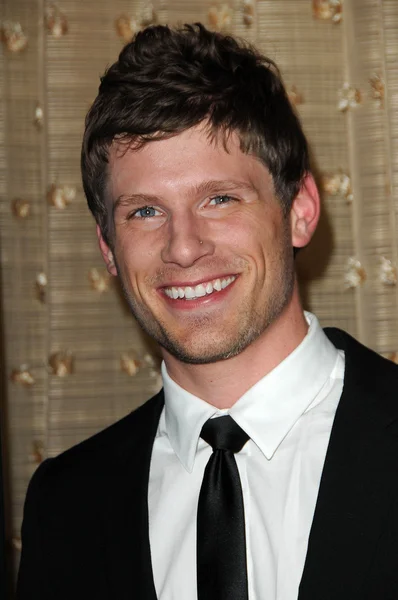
[74, 361]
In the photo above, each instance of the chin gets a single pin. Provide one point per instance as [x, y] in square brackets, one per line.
[203, 353]
[191, 358]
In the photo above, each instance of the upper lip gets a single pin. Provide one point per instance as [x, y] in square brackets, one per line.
[183, 284]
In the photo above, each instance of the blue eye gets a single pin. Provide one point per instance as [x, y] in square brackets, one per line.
[145, 212]
[221, 199]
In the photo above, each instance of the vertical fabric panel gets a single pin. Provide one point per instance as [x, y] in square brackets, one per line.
[370, 149]
[388, 18]
[23, 254]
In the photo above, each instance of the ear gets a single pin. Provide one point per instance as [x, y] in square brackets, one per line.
[305, 211]
[107, 253]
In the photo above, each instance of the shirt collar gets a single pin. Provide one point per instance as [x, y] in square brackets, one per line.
[267, 411]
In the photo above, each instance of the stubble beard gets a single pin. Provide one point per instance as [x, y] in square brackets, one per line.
[251, 322]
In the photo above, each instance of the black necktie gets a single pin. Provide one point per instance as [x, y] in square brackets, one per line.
[221, 544]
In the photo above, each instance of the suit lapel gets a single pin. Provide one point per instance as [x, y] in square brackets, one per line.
[126, 517]
[358, 479]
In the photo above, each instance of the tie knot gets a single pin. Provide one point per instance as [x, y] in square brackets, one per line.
[223, 433]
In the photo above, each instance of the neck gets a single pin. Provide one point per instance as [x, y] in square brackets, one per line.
[223, 383]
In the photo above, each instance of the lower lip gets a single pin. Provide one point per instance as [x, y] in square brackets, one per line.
[202, 302]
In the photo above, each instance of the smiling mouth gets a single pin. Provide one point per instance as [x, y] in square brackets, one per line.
[199, 291]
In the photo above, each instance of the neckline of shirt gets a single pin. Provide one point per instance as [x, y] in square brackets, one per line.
[267, 411]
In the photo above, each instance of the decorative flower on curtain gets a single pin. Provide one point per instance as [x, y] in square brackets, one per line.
[377, 89]
[22, 376]
[41, 285]
[152, 364]
[39, 116]
[61, 363]
[355, 274]
[248, 12]
[20, 208]
[220, 17]
[327, 10]
[129, 363]
[16, 543]
[127, 27]
[388, 272]
[37, 455]
[149, 360]
[349, 97]
[13, 37]
[338, 184]
[56, 21]
[99, 280]
[156, 377]
[147, 14]
[61, 196]
[295, 96]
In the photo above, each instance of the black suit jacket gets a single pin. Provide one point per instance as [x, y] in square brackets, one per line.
[85, 530]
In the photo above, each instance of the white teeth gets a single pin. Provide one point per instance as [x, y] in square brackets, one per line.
[189, 293]
[200, 290]
[209, 288]
[225, 282]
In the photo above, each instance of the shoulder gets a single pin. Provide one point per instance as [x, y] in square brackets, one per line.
[359, 356]
[368, 374]
[101, 455]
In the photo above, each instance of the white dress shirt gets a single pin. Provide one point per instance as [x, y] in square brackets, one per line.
[288, 415]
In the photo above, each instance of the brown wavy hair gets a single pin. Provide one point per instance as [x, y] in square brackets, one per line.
[167, 80]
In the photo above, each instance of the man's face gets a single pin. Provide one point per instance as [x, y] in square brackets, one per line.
[201, 245]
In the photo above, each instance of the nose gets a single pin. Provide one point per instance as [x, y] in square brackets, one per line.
[186, 242]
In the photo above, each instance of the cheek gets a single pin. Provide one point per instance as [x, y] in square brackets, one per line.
[138, 264]
[135, 253]
[254, 233]
[127, 262]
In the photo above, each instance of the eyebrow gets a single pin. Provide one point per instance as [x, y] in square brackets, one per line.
[205, 187]
[217, 185]
[133, 200]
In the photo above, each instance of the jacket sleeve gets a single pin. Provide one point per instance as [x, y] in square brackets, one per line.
[32, 570]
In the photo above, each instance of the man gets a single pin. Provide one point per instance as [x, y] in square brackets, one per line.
[267, 468]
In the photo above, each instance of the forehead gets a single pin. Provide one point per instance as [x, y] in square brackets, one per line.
[183, 160]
